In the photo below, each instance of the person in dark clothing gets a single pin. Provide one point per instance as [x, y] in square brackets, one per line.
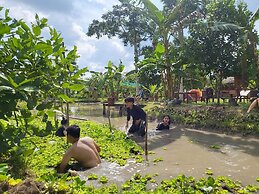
[60, 131]
[165, 124]
[138, 116]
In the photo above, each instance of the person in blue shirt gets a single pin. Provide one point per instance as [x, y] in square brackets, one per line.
[138, 117]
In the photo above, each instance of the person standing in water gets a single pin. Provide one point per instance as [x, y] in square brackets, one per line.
[84, 150]
[165, 124]
[138, 116]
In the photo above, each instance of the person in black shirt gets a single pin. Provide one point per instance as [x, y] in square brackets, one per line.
[60, 131]
[138, 116]
[165, 124]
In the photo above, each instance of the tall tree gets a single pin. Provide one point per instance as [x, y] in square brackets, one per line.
[214, 44]
[251, 41]
[169, 24]
[127, 21]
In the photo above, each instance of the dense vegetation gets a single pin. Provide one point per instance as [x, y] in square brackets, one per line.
[38, 157]
[192, 43]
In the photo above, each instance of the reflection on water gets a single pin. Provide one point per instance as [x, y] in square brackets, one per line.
[183, 150]
[94, 110]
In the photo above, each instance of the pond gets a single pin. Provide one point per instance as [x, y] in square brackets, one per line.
[183, 151]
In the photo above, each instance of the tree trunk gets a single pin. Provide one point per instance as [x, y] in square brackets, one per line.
[168, 70]
[244, 72]
[135, 46]
[164, 83]
[256, 59]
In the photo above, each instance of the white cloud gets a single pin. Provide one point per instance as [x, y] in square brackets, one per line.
[105, 2]
[85, 49]
[22, 12]
[118, 45]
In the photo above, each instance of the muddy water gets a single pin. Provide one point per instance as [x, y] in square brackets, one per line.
[184, 151]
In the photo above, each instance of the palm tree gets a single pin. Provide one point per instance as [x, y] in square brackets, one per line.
[169, 24]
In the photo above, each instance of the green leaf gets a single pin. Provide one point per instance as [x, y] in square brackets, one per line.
[12, 82]
[28, 80]
[7, 13]
[24, 26]
[28, 152]
[29, 89]
[210, 181]
[65, 85]
[160, 48]
[16, 42]
[65, 98]
[222, 26]
[80, 72]
[42, 46]
[255, 17]
[4, 29]
[3, 168]
[77, 87]
[56, 48]
[36, 30]
[31, 104]
[154, 12]
[44, 105]
[7, 88]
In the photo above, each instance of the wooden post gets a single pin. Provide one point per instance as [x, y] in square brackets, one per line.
[146, 152]
[104, 109]
[66, 90]
[109, 118]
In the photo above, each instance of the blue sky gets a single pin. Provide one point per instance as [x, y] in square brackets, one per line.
[72, 19]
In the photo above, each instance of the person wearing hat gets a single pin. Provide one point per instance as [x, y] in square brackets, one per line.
[84, 150]
[138, 116]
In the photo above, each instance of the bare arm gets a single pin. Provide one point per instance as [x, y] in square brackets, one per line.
[67, 156]
[253, 105]
[97, 147]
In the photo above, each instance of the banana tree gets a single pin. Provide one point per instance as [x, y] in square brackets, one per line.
[110, 80]
[251, 39]
[168, 24]
[113, 78]
[154, 90]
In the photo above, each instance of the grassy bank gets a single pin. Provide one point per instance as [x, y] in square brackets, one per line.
[224, 119]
